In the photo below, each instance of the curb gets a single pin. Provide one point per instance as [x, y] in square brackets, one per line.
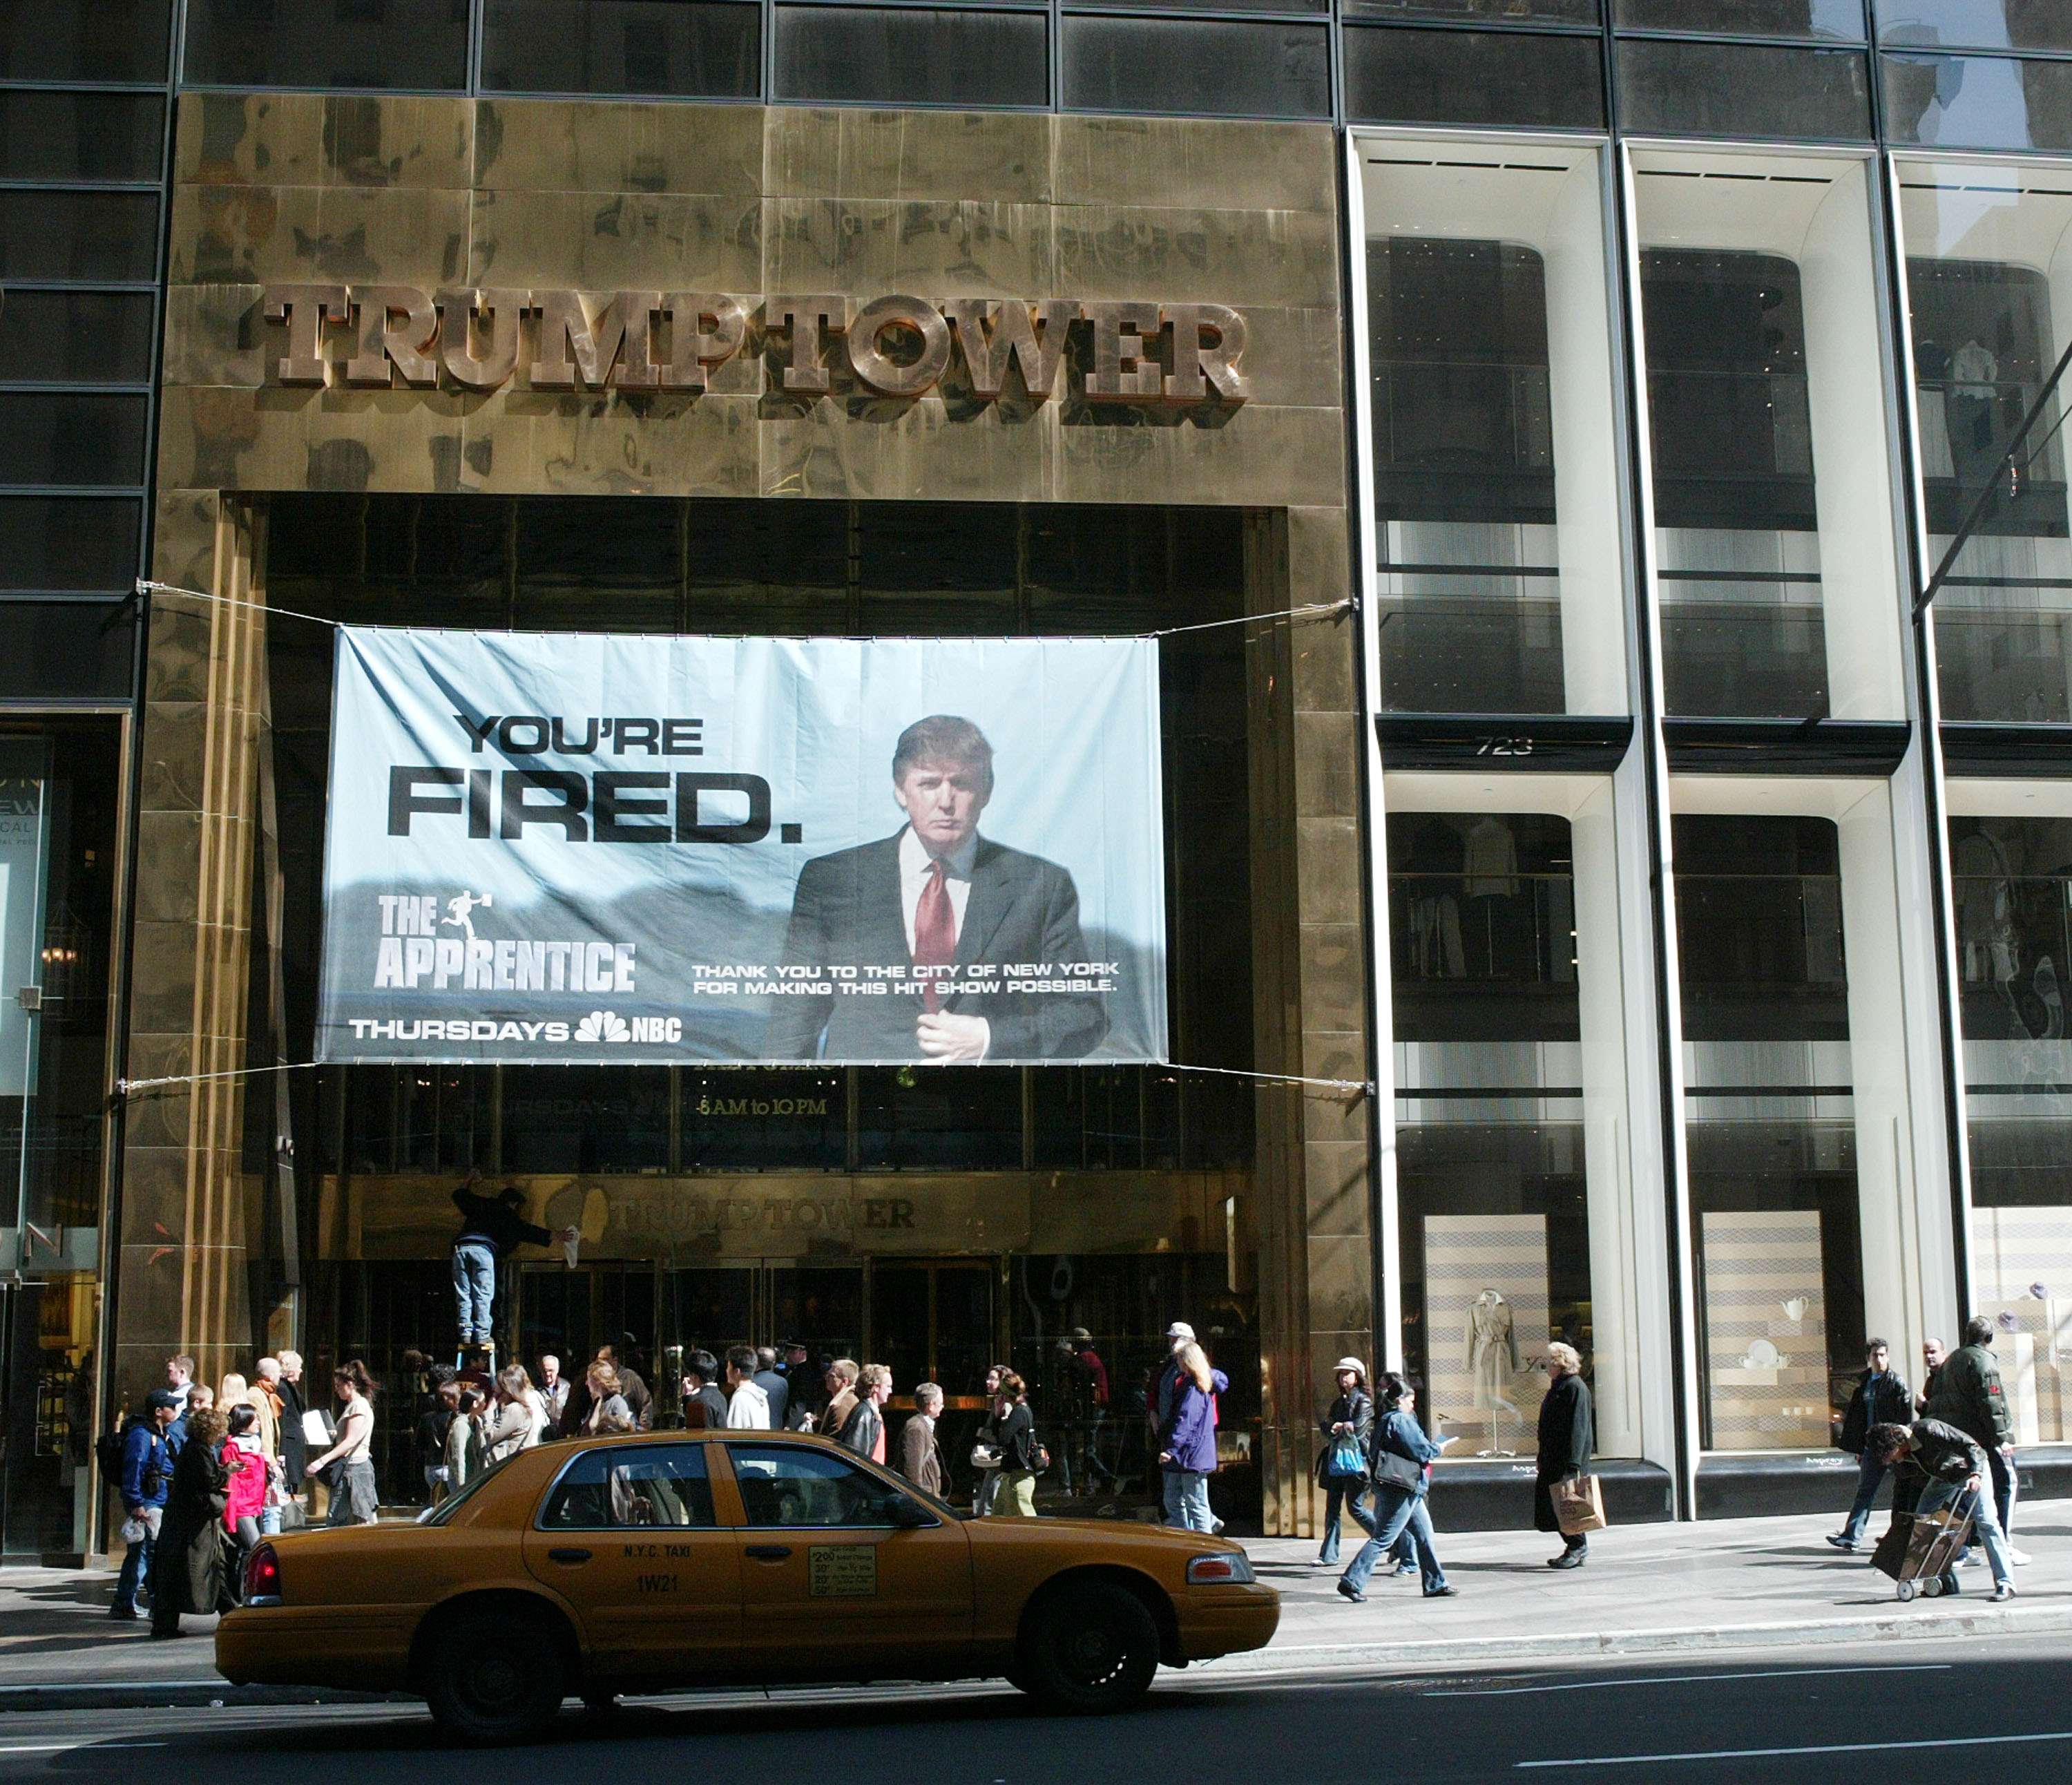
[1932, 1621]
[209, 1694]
[1296, 1660]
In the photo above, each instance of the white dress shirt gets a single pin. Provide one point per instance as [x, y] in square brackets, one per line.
[914, 864]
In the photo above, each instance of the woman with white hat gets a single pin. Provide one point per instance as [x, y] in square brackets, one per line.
[1342, 1465]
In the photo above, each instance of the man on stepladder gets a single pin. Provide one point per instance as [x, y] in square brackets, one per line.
[491, 1227]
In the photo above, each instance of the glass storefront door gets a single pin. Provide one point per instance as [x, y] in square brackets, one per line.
[46, 1434]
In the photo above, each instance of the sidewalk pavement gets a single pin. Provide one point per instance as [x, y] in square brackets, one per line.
[1744, 1583]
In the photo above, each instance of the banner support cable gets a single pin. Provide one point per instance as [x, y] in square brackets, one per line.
[146, 586]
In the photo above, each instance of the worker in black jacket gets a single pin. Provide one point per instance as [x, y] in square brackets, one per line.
[490, 1228]
[1881, 1399]
[1969, 1396]
[1955, 1466]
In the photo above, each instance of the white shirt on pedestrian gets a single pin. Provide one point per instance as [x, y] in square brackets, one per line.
[748, 1410]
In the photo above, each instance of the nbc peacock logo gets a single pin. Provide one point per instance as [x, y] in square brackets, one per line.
[604, 1025]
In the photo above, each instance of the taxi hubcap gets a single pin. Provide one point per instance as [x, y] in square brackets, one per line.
[495, 1679]
[1092, 1655]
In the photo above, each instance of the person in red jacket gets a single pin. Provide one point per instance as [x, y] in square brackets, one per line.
[245, 1457]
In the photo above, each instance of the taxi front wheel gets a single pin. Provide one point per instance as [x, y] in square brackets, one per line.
[494, 1678]
[1090, 1648]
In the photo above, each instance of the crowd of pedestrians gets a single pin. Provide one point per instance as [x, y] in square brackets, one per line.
[204, 1473]
[1951, 1445]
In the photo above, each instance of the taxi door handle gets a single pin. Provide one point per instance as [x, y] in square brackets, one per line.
[767, 1552]
[570, 1556]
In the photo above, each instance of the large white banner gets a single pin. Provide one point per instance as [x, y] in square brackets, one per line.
[573, 847]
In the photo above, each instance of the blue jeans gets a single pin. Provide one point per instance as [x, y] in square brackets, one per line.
[1187, 1500]
[475, 1289]
[1352, 1494]
[1397, 1515]
[1870, 1473]
[1986, 1528]
[135, 1576]
[1347, 1493]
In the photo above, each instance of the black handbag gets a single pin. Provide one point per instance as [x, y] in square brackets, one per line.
[1393, 1468]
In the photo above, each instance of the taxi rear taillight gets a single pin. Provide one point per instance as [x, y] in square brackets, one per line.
[1220, 1570]
[262, 1576]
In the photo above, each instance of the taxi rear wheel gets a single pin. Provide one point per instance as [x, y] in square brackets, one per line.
[494, 1679]
[1091, 1648]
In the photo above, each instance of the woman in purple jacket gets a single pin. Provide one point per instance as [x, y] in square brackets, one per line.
[1187, 1442]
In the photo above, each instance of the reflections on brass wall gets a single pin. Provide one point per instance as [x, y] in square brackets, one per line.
[694, 1219]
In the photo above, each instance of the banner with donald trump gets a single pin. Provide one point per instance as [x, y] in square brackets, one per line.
[590, 847]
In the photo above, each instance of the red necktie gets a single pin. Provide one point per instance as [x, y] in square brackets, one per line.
[935, 933]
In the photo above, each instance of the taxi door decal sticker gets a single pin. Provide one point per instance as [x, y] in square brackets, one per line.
[841, 1571]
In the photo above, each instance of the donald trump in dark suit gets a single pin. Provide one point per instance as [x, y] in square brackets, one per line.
[937, 897]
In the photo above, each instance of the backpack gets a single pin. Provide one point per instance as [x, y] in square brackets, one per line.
[108, 1455]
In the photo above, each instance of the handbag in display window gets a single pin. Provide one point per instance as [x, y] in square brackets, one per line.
[1579, 1505]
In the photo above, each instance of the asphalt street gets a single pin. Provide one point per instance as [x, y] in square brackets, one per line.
[1883, 1711]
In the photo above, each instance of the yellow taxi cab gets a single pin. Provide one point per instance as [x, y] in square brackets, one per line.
[654, 1562]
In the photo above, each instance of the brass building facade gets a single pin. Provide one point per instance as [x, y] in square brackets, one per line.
[937, 1226]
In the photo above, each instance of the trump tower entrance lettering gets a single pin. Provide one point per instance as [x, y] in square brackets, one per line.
[1183, 355]
[559, 848]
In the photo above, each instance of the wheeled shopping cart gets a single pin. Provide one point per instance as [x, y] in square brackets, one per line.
[1920, 1548]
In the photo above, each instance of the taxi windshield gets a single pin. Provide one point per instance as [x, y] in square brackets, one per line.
[445, 1511]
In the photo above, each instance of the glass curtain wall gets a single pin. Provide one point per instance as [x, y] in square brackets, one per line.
[1989, 296]
[60, 816]
[1775, 536]
[1798, 1129]
[2011, 869]
[1505, 988]
[1494, 455]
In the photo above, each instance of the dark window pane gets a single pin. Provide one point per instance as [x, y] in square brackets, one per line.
[1979, 101]
[1161, 65]
[1759, 929]
[339, 43]
[939, 1118]
[1732, 427]
[76, 337]
[1833, 19]
[911, 57]
[1976, 24]
[79, 235]
[1742, 89]
[1500, 12]
[70, 650]
[109, 40]
[68, 542]
[622, 46]
[54, 437]
[610, 1120]
[1471, 77]
[1231, 5]
[81, 136]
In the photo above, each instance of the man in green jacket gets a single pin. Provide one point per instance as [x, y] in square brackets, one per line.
[1968, 1395]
